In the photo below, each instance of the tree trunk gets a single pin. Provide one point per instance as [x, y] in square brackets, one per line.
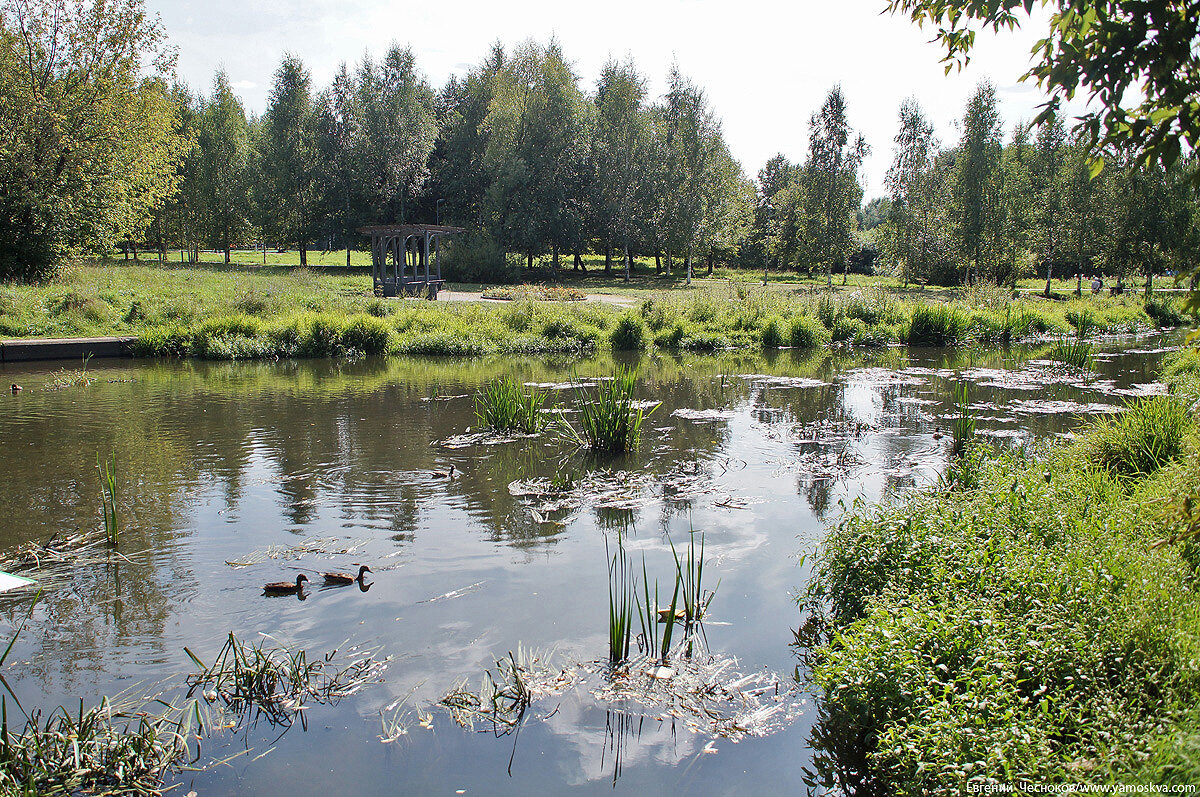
[688, 263]
[712, 256]
[529, 260]
[608, 252]
[657, 262]
[227, 254]
[578, 265]
[303, 254]
[628, 263]
[668, 262]
[1149, 281]
[347, 254]
[554, 259]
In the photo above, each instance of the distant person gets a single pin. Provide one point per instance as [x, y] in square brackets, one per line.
[1097, 284]
[1119, 288]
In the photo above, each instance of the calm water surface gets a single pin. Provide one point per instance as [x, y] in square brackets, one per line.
[218, 462]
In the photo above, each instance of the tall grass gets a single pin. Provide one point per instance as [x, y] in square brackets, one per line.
[936, 325]
[963, 427]
[1139, 441]
[107, 471]
[622, 597]
[503, 406]
[1076, 353]
[610, 420]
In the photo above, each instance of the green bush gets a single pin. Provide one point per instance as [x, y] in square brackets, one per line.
[1144, 438]
[772, 333]
[936, 325]
[629, 334]
[806, 332]
[1021, 629]
[369, 335]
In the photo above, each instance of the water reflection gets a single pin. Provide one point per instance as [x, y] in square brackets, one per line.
[216, 461]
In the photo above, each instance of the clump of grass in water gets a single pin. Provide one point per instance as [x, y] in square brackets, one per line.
[64, 378]
[963, 427]
[503, 697]
[277, 681]
[622, 597]
[108, 497]
[113, 748]
[1075, 353]
[503, 407]
[610, 419]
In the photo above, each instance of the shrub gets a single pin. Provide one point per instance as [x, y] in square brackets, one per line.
[503, 406]
[1163, 313]
[772, 333]
[369, 335]
[704, 341]
[805, 332]
[629, 334]
[936, 325]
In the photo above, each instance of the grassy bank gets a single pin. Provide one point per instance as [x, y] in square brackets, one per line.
[238, 313]
[1023, 622]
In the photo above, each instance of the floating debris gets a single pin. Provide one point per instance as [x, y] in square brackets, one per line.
[320, 545]
[783, 382]
[703, 415]
[506, 693]
[447, 398]
[480, 439]
[455, 593]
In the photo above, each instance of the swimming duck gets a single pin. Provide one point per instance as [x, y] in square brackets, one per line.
[346, 578]
[16, 388]
[285, 587]
[443, 474]
[937, 433]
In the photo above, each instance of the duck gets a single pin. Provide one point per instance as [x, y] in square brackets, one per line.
[16, 388]
[443, 474]
[346, 578]
[665, 614]
[937, 433]
[285, 587]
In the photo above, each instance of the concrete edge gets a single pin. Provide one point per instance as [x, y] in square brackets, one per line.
[12, 351]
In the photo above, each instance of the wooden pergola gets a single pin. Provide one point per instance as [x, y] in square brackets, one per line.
[418, 245]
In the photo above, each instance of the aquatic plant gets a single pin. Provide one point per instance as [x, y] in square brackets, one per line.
[116, 747]
[277, 681]
[622, 597]
[1076, 353]
[610, 420]
[1139, 441]
[962, 428]
[503, 696]
[503, 406]
[108, 498]
[689, 575]
[64, 378]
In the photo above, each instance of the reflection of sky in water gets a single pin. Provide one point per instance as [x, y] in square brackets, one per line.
[222, 461]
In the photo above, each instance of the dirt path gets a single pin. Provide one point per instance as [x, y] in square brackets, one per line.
[599, 298]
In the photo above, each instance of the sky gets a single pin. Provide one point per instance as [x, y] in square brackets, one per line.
[765, 67]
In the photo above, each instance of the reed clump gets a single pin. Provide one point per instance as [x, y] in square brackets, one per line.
[107, 471]
[503, 406]
[1073, 352]
[610, 418]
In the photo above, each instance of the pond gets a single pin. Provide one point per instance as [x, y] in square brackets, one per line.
[233, 475]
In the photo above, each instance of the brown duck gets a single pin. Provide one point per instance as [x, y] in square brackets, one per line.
[285, 587]
[346, 578]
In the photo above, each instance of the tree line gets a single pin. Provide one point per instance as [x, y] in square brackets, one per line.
[534, 165]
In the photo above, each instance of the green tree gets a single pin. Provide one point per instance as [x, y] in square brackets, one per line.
[538, 131]
[1017, 206]
[88, 132]
[1047, 193]
[773, 178]
[289, 189]
[398, 127]
[339, 140]
[1136, 60]
[224, 149]
[906, 234]
[1081, 196]
[620, 151]
[832, 189]
[976, 181]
